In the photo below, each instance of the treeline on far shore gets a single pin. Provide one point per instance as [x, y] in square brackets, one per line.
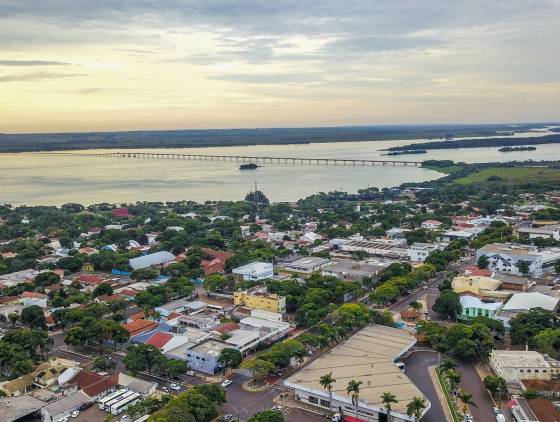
[480, 143]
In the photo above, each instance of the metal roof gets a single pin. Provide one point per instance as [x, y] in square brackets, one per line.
[152, 259]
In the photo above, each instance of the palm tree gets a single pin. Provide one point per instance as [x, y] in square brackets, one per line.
[387, 398]
[327, 382]
[415, 407]
[354, 389]
[447, 365]
[454, 378]
[466, 399]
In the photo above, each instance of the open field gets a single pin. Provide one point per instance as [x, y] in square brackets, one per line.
[447, 170]
[511, 175]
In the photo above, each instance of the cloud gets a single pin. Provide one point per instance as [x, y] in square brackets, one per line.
[36, 77]
[32, 63]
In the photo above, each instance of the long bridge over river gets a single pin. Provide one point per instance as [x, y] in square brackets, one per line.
[212, 157]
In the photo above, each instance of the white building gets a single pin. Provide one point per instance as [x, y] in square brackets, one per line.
[506, 257]
[418, 252]
[254, 271]
[306, 264]
[546, 232]
[379, 247]
[431, 224]
[516, 365]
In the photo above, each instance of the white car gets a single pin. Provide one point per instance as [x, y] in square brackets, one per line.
[228, 417]
[190, 373]
[277, 408]
[65, 419]
[226, 383]
[175, 386]
[75, 413]
[165, 389]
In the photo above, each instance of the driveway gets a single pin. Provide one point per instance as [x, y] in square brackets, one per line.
[417, 365]
[472, 383]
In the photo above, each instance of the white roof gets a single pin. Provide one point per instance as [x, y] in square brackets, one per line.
[526, 301]
[260, 323]
[254, 268]
[474, 302]
[240, 338]
[459, 233]
[147, 261]
[520, 358]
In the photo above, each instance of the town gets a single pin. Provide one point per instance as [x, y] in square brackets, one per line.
[433, 301]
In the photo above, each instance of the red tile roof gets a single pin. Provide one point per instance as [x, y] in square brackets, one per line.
[34, 295]
[128, 292]
[159, 339]
[93, 384]
[544, 410]
[480, 272]
[139, 326]
[226, 327]
[108, 298]
[137, 315]
[120, 212]
[90, 279]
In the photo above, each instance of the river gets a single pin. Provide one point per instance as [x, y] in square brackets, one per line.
[54, 180]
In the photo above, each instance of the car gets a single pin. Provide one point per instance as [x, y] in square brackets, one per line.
[496, 410]
[277, 408]
[426, 311]
[425, 286]
[190, 373]
[428, 318]
[228, 417]
[165, 389]
[310, 353]
[175, 386]
[75, 413]
[401, 366]
[65, 419]
[226, 383]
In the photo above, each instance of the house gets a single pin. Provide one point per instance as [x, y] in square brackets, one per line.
[514, 282]
[418, 252]
[93, 384]
[215, 261]
[305, 264]
[260, 299]
[120, 212]
[480, 272]
[199, 322]
[431, 224]
[510, 258]
[89, 280]
[516, 365]
[467, 234]
[472, 306]
[33, 298]
[139, 326]
[310, 237]
[88, 250]
[254, 271]
[18, 277]
[178, 305]
[410, 316]
[150, 260]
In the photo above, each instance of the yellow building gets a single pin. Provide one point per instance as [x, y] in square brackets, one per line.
[258, 300]
[88, 267]
[484, 287]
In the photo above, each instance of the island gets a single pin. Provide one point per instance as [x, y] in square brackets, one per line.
[519, 148]
[407, 151]
[248, 166]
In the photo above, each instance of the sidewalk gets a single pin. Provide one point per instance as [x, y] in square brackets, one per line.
[288, 400]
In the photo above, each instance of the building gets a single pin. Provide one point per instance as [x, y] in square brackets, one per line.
[139, 326]
[199, 322]
[62, 408]
[17, 408]
[306, 264]
[260, 299]
[368, 356]
[352, 270]
[514, 282]
[120, 212]
[472, 306]
[17, 277]
[418, 252]
[524, 302]
[516, 365]
[178, 305]
[204, 356]
[254, 271]
[485, 288]
[386, 248]
[150, 260]
[546, 232]
[508, 258]
[33, 299]
[142, 387]
[431, 224]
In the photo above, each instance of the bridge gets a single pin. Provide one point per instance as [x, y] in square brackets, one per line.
[242, 158]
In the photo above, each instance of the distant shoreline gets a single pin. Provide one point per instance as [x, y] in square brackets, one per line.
[247, 137]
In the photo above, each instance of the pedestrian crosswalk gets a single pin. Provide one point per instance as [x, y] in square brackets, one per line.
[280, 386]
[246, 372]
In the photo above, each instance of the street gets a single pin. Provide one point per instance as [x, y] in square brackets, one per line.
[472, 383]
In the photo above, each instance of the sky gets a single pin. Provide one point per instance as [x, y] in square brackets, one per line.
[83, 65]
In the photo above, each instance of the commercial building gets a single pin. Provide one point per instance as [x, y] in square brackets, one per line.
[547, 232]
[11, 279]
[485, 288]
[418, 252]
[17, 408]
[516, 365]
[524, 302]
[368, 356]
[204, 356]
[306, 264]
[150, 260]
[260, 299]
[508, 258]
[254, 271]
[386, 248]
[62, 408]
[353, 271]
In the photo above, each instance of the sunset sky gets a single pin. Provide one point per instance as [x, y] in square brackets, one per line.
[74, 65]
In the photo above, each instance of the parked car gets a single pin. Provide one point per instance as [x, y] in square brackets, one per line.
[65, 419]
[75, 413]
[175, 386]
[190, 373]
[165, 389]
[228, 417]
[277, 408]
[226, 383]
[496, 410]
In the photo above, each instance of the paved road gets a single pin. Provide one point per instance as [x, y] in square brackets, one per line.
[472, 383]
[417, 370]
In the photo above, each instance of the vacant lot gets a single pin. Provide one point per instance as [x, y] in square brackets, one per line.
[511, 175]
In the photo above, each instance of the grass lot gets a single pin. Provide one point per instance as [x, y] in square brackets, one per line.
[511, 175]
[446, 170]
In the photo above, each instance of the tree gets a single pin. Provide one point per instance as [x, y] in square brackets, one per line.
[173, 368]
[142, 357]
[547, 341]
[46, 279]
[353, 388]
[267, 416]
[229, 358]
[454, 378]
[75, 337]
[327, 382]
[213, 392]
[447, 365]
[103, 289]
[525, 326]
[415, 407]
[387, 399]
[466, 399]
[33, 317]
[496, 385]
[258, 367]
[482, 262]
[14, 318]
[103, 363]
[448, 303]
[523, 267]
